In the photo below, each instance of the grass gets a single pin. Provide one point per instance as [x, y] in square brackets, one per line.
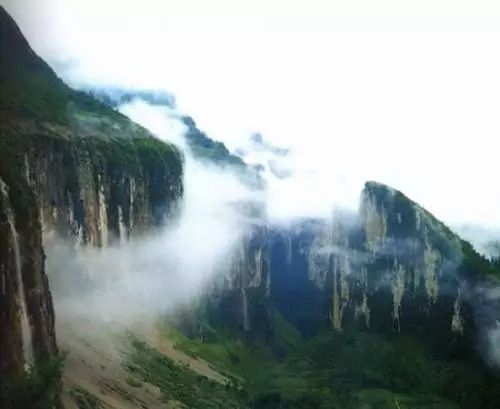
[85, 400]
[385, 399]
[37, 388]
[178, 383]
[344, 370]
[31, 92]
[243, 363]
[134, 383]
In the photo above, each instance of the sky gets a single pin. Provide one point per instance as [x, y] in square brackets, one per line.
[403, 92]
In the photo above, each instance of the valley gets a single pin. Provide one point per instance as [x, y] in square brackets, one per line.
[139, 273]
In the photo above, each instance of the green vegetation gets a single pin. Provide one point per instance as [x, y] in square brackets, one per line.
[23, 199]
[494, 249]
[473, 265]
[282, 369]
[44, 118]
[85, 400]
[67, 120]
[351, 369]
[134, 383]
[116, 96]
[275, 368]
[158, 163]
[132, 155]
[216, 153]
[477, 267]
[31, 89]
[49, 131]
[401, 213]
[35, 389]
[206, 148]
[178, 383]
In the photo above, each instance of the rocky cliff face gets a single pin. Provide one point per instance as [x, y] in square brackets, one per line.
[69, 167]
[73, 168]
[27, 317]
[392, 267]
[239, 294]
[59, 183]
[99, 194]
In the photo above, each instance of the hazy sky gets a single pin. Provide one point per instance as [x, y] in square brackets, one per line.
[406, 93]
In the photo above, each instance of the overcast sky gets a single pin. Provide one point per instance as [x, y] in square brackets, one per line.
[405, 93]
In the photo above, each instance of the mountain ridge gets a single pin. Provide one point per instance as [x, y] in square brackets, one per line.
[379, 310]
[69, 167]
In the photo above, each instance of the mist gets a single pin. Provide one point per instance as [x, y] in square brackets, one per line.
[148, 277]
[485, 240]
[485, 300]
[286, 246]
[416, 110]
[330, 110]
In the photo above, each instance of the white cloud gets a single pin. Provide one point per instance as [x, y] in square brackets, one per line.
[188, 252]
[159, 119]
[413, 103]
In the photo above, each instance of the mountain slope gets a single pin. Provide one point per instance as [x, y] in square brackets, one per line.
[391, 268]
[374, 303]
[70, 167]
[381, 308]
[31, 89]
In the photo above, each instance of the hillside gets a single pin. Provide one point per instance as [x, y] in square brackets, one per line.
[380, 308]
[70, 166]
[202, 147]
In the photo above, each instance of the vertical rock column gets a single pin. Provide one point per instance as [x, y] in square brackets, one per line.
[16, 350]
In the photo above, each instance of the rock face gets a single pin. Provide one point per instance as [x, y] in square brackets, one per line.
[27, 317]
[89, 193]
[74, 168]
[71, 167]
[239, 295]
[392, 267]
[71, 188]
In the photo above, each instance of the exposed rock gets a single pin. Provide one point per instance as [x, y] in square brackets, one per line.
[391, 267]
[70, 167]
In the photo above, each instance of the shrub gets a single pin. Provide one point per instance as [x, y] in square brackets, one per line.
[37, 388]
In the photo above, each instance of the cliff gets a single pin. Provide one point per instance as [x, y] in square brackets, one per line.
[367, 308]
[72, 167]
[327, 293]
[392, 267]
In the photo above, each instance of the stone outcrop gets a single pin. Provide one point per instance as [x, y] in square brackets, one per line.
[69, 167]
[392, 267]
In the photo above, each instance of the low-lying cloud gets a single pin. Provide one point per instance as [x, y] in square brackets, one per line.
[142, 279]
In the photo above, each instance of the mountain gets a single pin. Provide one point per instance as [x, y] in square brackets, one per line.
[203, 148]
[68, 164]
[391, 267]
[380, 308]
[116, 96]
[363, 306]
